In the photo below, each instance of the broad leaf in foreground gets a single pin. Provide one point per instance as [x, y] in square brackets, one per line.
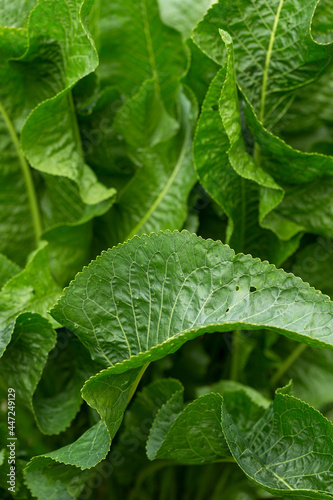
[188, 286]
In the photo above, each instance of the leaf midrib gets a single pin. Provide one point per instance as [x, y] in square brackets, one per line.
[150, 47]
[26, 172]
[267, 63]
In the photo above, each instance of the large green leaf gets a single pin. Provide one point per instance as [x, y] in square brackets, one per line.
[187, 286]
[193, 435]
[274, 49]
[282, 209]
[288, 452]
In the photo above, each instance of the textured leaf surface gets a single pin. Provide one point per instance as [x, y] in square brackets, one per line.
[25, 357]
[288, 452]
[159, 52]
[165, 171]
[267, 39]
[231, 289]
[32, 290]
[188, 286]
[183, 16]
[193, 436]
[7, 270]
[50, 136]
[284, 178]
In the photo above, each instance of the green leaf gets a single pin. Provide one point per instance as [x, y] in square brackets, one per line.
[288, 452]
[227, 171]
[267, 40]
[156, 196]
[57, 482]
[314, 264]
[44, 142]
[32, 290]
[244, 404]
[311, 373]
[308, 169]
[24, 359]
[193, 436]
[57, 398]
[188, 286]
[143, 121]
[25, 214]
[137, 424]
[7, 270]
[183, 16]
[159, 52]
[84, 453]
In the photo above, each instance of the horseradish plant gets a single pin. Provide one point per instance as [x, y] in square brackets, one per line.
[166, 198]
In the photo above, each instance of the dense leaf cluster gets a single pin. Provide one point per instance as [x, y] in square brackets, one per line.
[166, 171]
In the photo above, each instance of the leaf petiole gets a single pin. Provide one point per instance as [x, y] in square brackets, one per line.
[31, 192]
[288, 363]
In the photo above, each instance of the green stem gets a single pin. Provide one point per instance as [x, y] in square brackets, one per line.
[151, 469]
[235, 355]
[287, 364]
[257, 154]
[75, 124]
[32, 198]
[267, 63]
[137, 381]
[220, 487]
[227, 460]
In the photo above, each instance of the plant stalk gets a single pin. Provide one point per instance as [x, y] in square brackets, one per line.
[287, 364]
[235, 355]
[137, 381]
[31, 192]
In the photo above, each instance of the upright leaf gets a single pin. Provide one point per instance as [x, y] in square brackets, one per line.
[267, 39]
[156, 196]
[159, 51]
